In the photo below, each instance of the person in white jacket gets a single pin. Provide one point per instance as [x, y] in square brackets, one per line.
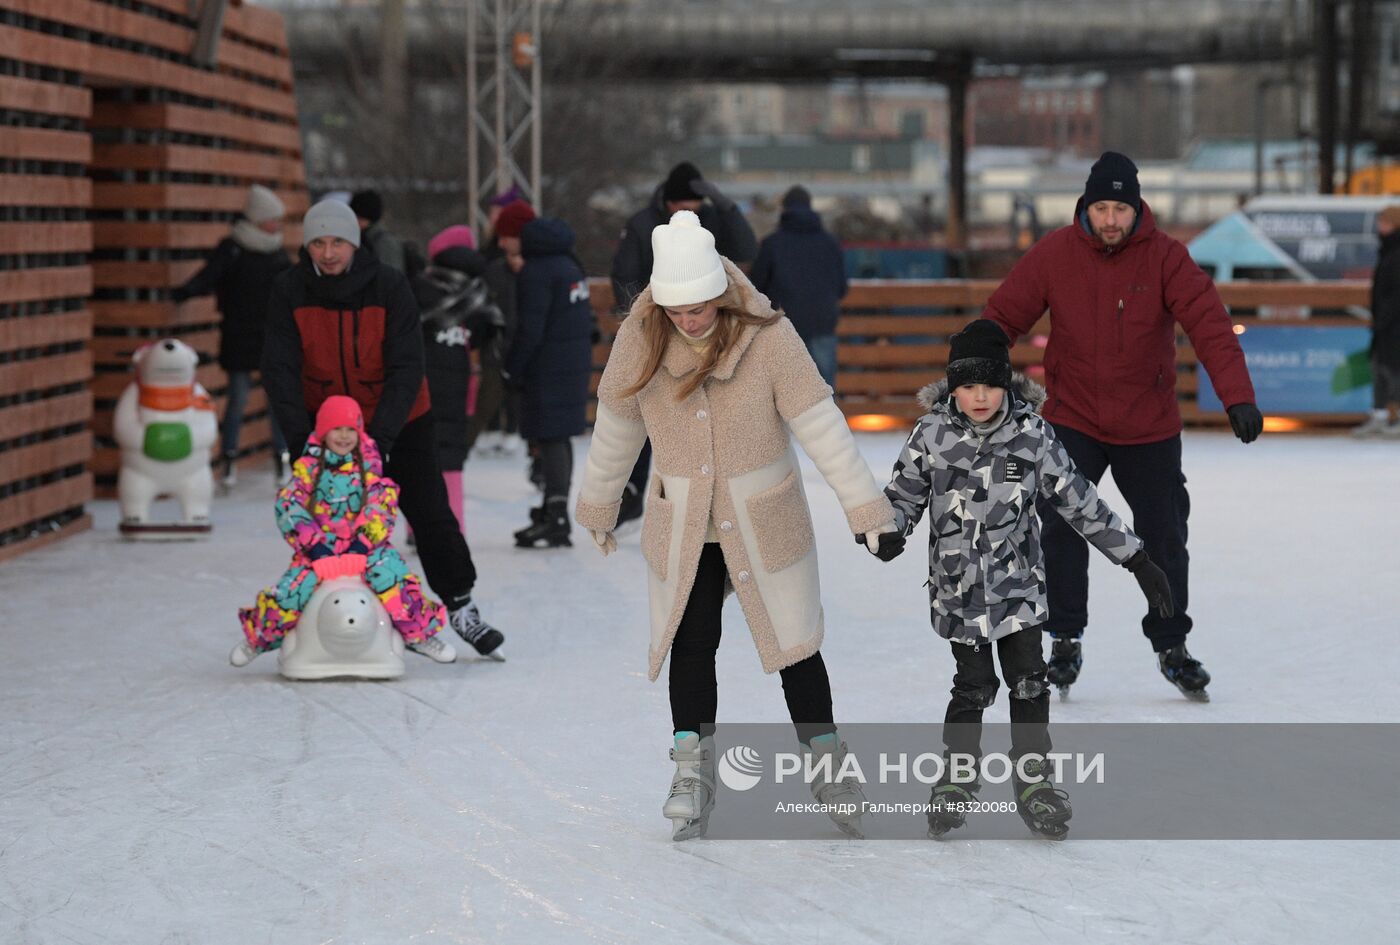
[721, 382]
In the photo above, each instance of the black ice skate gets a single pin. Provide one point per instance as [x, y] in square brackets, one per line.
[1066, 658]
[1044, 807]
[484, 638]
[1184, 672]
[948, 805]
[548, 528]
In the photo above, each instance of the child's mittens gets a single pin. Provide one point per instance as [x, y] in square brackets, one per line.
[885, 545]
[320, 550]
[1153, 582]
[358, 547]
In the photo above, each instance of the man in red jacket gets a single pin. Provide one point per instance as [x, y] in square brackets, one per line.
[341, 322]
[1116, 288]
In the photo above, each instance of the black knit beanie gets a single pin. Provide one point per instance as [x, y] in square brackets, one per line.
[1113, 177]
[980, 355]
[368, 204]
[677, 186]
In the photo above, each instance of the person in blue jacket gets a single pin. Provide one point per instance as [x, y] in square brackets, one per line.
[802, 270]
[550, 361]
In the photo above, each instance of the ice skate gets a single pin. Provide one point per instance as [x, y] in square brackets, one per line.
[548, 528]
[1184, 672]
[1066, 659]
[1375, 425]
[243, 654]
[692, 794]
[228, 473]
[1044, 807]
[435, 648]
[841, 795]
[484, 638]
[948, 804]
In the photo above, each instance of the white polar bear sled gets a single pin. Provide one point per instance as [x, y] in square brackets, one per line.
[343, 632]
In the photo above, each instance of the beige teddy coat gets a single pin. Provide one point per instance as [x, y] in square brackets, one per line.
[725, 451]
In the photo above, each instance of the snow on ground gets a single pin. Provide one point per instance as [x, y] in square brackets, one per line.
[151, 794]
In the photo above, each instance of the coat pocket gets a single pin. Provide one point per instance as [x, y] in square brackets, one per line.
[656, 529]
[781, 523]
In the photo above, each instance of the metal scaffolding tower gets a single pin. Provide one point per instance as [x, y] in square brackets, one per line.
[503, 101]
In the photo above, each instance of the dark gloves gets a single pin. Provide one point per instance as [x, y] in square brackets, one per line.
[1246, 421]
[358, 547]
[891, 545]
[317, 552]
[1153, 582]
[706, 189]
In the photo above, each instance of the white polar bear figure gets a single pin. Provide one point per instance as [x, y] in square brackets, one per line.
[344, 631]
[165, 426]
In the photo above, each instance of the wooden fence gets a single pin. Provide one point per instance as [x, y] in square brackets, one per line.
[124, 161]
[893, 336]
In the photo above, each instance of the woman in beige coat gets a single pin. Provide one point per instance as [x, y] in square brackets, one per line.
[719, 380]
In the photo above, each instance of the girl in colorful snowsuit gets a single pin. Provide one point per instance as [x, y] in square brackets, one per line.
[338, 509]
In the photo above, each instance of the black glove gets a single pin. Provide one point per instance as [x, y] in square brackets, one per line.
[1246, 421]
[317, 552]
[357, 547]
[706, 189]
[1153, 582]
[891, 545]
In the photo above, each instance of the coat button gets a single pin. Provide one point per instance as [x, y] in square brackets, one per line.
[725, 526]
[743, 577]
[700, 415]
[705, 469]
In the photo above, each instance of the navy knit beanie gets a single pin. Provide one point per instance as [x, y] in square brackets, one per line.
[1113, 177]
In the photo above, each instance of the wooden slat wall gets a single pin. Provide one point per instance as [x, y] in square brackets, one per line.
[45, 318]
[122, 163]
[893, 336]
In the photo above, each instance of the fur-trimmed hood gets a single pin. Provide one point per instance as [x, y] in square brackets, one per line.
[1026, 390]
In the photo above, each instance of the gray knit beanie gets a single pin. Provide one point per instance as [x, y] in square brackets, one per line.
[330, 218]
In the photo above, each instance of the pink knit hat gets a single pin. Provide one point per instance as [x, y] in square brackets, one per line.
[452, 236]
[339, 411]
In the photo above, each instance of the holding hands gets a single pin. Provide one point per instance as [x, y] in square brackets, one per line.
[884, 542]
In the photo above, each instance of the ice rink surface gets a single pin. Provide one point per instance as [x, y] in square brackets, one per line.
[151, 794]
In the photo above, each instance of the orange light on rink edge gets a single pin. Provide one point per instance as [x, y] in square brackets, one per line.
[875, 422]
[1282, 425]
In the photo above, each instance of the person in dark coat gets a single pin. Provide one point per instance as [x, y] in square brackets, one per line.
[1116, 288]
[341, 322]
[387, 247]
[803, 272]
[551, 360]
[239, 275]
[498, 409]
[683, 189]
[1385, 330]
[458, 317]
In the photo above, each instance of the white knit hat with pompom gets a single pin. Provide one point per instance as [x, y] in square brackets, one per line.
[686, 269]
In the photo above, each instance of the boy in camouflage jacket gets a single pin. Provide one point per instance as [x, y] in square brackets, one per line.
[978, 461]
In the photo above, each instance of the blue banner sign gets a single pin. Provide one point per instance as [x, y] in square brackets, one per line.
[1297, 370]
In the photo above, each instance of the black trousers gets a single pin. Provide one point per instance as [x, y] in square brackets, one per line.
[641, 469]
[1150, 478]
[694, 689]
[556, 464]
[975, 688]
[447, 561]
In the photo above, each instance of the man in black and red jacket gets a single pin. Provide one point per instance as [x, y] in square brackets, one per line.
[339, 322]
[1116, 287]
